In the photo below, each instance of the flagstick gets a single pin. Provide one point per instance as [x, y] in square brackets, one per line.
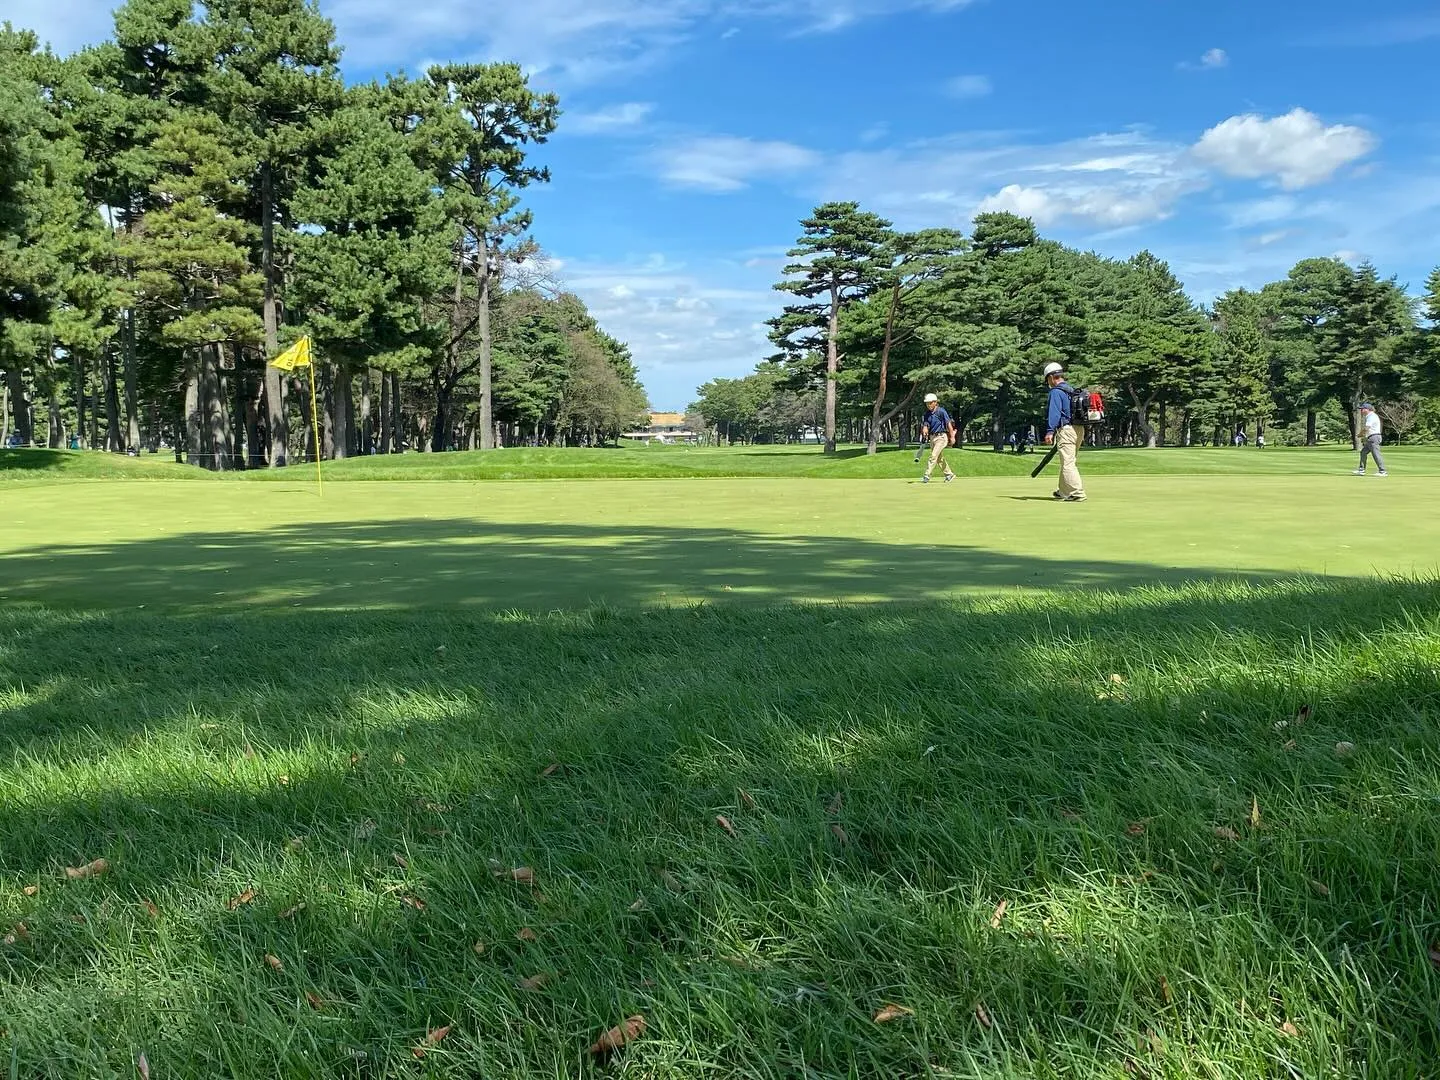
[315, 424]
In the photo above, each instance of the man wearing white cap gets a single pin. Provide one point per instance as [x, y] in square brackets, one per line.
[1371, 446]
[940, 430]
[1066, 431]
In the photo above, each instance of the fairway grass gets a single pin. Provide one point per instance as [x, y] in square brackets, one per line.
[1145, 786]
[193, 547]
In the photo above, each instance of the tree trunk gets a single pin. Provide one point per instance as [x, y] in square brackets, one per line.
[870, 446]
[57, 422]
[487, 403]
[367, 429]
[20, 404]
[386, 406]
[997, 422]
[80, 398]
[274, 381]
[1352, 408]
[239, 384]
[325, 391]
[397, 415]
[1162, 423]
[112, 403]
[342, 410]
[441, 430]
[132, 406]
[832, 368]
[1310, 439]
[215, 413]
[193, 422]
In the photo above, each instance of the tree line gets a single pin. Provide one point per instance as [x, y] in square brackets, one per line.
[879, 314]
[182, 201]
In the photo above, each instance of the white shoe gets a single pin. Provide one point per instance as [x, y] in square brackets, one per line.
[1382, 472]
[1359, 472]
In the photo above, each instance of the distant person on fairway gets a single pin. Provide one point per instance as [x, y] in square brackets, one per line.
[939, 429]
[1065, 432]
[1371, 445]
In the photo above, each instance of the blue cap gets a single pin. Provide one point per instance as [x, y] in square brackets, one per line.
[1367, 405]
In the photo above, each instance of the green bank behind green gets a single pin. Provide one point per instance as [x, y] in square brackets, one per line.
[190, 546]
[675, 462]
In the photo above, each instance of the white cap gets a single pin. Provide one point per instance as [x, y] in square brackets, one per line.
[1051, 368]
[929, 398]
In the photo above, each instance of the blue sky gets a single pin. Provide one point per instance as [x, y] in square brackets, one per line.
[1229, 138]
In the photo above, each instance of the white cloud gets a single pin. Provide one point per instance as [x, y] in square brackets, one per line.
[683, 324]
[1104, 181]
[609, 120]
[1297, 148]
[1109, 207]
[1210, 60]
[969, 86]
[723, 163]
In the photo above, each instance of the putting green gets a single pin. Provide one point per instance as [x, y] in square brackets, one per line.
[186, 546]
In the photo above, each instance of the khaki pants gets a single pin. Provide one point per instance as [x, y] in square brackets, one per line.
[937, 455]
[1068, 439]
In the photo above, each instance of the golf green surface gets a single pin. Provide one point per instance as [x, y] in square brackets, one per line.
[187, 546]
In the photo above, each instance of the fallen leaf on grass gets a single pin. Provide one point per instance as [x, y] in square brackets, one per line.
[550, 770]
[1290, 1029]
[526, 934]
[249, 751]
[1254, 812]
[90, 869]
[399, 758]
[432, 1037]
[983, 1016]
[1435, 956]
[1290, 744]
[430, 831]
[435, 807]
[724, 823]
[1224, 832]
[999, 914]
[413, 901]
[619, 1035]
[30, 890]
[142, 1066]
[295, 843]
[400, 860]
[274, 961]
[365, 829]
[534, 982]
[522, 874]
[671, 882]
[892, 1012]
[1302, 715]
[638, 905]
[20, 933]
[150, 909]
[1344, 749]
[840, 835]
[241, 900]
[316, 1001]
[1135, 828]
[479, 948]
[836, 804]
[1319, 888]
[1165, 990]
[1117, 680]
[1069, 815]
[292, 911]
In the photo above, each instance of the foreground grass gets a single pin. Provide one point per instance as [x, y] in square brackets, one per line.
[1193, 882]
[659, 462]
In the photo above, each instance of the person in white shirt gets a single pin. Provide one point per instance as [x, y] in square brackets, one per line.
[1370, 445]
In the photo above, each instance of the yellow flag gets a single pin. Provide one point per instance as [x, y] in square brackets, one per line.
[296, 356]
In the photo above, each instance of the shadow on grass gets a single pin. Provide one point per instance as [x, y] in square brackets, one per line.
[31, 459]
[981, 752]
[465, 563]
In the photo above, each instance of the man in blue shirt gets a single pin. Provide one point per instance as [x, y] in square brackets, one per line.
[1066, 432]
[940, 430]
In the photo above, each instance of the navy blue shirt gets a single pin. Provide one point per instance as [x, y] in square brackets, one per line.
[1059, 407]
[937, 422]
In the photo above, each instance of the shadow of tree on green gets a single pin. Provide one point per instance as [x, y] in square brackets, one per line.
[461, 563]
